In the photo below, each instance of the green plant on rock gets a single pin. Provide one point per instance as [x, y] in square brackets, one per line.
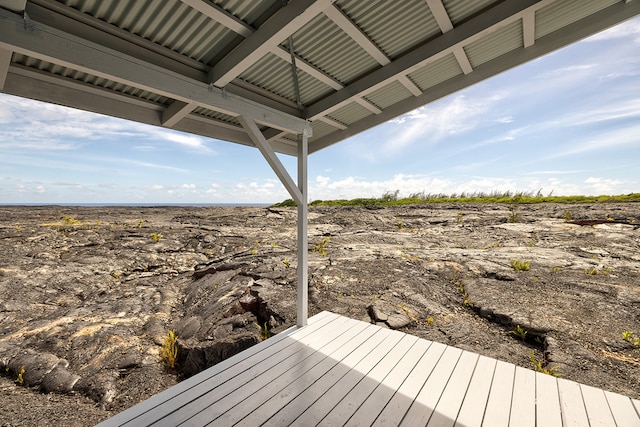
[156, 237]
[459, 218]
[592, 271]
[321, 247]
[520, 333]
[541, 367]
[20, 378]
[286, 262]
[519, 265]
[513, 213]
[265, 333]
[630, 338]
[568, 216]
[169, 350]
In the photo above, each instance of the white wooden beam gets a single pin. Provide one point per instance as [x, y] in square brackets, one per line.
[368, 105]
[411, 86]
[353, 31]
[463, 60]
[49, 44]
[175, 112]
[5, 61]
[302, 298]
[331, 122]
[529, 28]
[501, 15]
[440, 14]
[281, 25]
[249, 124]
[221, 16]
[308, 68]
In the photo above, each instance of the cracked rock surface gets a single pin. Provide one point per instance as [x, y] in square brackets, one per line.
[90, 294]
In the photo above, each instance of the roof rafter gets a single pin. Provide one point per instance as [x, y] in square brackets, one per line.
[445, 24]
[529, 28]
[502, 14]
[348, 26]
[49, 44]
[175, 112]
[281, 25]
[571, 33]
[308, 68]
[221, 16]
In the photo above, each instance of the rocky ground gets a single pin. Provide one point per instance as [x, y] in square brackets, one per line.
[90, 294]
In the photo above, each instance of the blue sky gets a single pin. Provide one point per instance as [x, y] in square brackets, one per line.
[567, 124]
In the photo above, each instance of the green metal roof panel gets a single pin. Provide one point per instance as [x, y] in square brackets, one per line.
[561, 13]
[216, 115]
[321, 129]
[495, 44]
[436, 72]
[393, 29]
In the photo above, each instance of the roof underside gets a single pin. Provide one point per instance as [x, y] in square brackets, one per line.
[338, 66]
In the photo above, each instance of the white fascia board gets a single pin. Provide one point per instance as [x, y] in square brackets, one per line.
[281, 25]
[499, 16]
[572, 33]
[49, 44]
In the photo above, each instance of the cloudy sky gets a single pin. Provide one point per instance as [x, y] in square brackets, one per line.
[566, 124]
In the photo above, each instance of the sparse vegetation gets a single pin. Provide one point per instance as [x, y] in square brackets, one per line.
[466, 300]
[519, 332]
[20, 378]
[156, 237]
[514, 216]
[630, 338]
[169, 350]
[286, 262]
[540, 366]
[265, 333]
[321, 247]
[519, 265]
[568, 216]
[523, 197]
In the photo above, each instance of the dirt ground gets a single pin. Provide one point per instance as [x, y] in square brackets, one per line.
[89, 294]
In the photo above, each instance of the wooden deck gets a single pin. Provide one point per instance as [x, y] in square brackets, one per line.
[339, 371]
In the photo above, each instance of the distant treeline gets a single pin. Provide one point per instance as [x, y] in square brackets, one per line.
[391, 198]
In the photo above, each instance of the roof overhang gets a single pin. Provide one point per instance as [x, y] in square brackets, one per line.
[328, 68]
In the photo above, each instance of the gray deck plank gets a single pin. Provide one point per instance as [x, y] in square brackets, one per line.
[259, 388]
[304, 400]
[597, 407]
[523, 402]
[427, 399]
[317, 411]
[572, 404]
[338, 370]
[622, 409]
[154, 403]
[296, 387]
[397, 407]
[375, 403]
[498, 408]
[472, 408]
[448, 407]
[224, 382]
[352, 400]
[548, 411]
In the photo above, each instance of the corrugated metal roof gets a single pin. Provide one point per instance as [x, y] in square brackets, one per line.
[388, 95]
[495, 44]
[461, 10]
[436, 72]
[169, 23]
[561, 13]
[394, 29]
[323, 44]
[89, 79]
[173, 39]
[350, 113]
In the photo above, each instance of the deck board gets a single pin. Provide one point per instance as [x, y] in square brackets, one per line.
[340, 371]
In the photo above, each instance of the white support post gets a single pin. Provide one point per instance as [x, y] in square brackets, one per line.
[302, 301]
[299, 194]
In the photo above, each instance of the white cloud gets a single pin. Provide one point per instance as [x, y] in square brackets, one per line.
[609, 186]
[629, 29]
